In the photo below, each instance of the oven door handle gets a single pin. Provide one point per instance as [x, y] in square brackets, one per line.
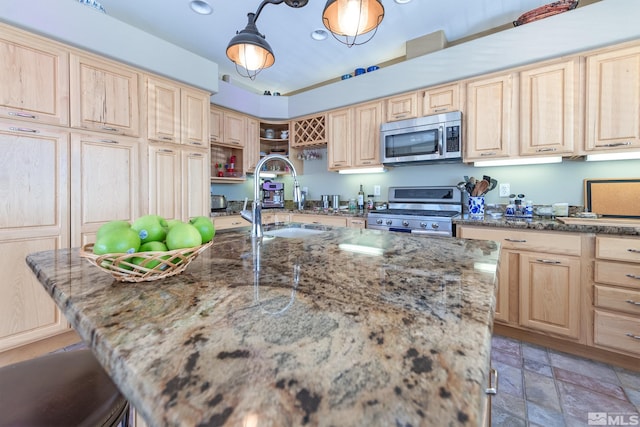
[400, 230]
[431, 233]
[441, 140]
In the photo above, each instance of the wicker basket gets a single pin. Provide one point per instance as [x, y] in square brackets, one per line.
[122, 269]
[546, 11]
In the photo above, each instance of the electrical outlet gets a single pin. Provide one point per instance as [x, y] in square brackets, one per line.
[376, 190]
[505, 190]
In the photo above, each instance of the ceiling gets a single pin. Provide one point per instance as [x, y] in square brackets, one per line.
[302, 62]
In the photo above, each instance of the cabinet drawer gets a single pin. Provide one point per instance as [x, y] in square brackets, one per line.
[618, 299]
[618, 248]
[225, 222]
[616, 273]
[555, 243]
[617, 331]
[320, 219]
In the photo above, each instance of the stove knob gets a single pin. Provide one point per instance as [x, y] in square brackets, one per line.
[389, 222]
[435, 225]
[405, 223]
[379, 221]
[423, 225]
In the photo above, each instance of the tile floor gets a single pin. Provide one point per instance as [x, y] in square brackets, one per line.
[543, 387]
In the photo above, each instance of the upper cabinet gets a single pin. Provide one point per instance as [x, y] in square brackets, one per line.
[441, 99]
[613, 100]
[402, 107]
[104, 96]
[550, 109]
[491, 121]
[339, 138]
[366, 142]
[175, 113]
[309, 131]
[227, 127]
[34, 78]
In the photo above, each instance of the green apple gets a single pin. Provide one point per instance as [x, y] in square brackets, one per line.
[205, 227]
[183, 235]
[150, 247]
[120, 240]
[150, 228]
[172, 222]
[111, 225]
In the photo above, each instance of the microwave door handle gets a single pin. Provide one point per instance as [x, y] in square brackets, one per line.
[441, 141]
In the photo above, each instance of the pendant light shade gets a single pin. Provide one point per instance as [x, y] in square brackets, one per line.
[352, 18]
[250, 51]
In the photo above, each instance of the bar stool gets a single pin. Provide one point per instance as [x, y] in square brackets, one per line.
[60, 389]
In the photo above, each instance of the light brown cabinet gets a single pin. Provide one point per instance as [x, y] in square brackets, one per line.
[538, 279]
[366, 142]
[441, 99]
[178, 182]
[617, 294]
[251, 154]
[36, 200]
[550, 109]
[402, 107]
[228, 222]
[176, 114]
[235, 128]
[613, 100]
[104, 96]
[34, 78]
[340, 138]
[336, 221]
[309, 131]
[355, 222]
[275, 217]
[105, 183]
[491, 120]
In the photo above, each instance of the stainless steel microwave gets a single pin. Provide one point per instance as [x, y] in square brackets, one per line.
[428, 139]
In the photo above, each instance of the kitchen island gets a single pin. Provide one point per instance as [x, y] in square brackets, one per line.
[345, 327]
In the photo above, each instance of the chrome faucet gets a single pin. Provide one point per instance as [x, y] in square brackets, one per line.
[255, 216]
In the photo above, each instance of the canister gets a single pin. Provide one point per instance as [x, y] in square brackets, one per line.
[335, 202]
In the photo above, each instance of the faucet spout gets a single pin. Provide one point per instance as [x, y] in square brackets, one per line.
[255, 216]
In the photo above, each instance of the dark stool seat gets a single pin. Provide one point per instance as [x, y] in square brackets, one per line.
[60, 389]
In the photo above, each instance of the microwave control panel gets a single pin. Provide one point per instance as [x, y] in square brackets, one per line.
[453, 139]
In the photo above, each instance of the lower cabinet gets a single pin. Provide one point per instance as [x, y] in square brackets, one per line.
[539, 279]
[228, 222]
[275, 217]
[336, 221]
[356, 222]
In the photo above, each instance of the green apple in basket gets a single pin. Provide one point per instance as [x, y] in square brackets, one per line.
[151, 228]
[205, 227]
[150, 247]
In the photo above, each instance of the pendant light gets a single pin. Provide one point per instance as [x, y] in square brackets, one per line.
[352, 18]
[249, 49]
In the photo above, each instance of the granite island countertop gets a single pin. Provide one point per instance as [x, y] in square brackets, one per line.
[547, 224]
[347, 327]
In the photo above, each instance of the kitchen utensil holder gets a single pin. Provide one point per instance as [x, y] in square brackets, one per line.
[476, 207]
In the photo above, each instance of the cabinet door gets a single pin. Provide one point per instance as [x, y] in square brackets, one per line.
[163, 110]
[235, 128]
[105, 183]
[194, 123]
[35, 217]
[550, 293]
[490, 119]
[104, 96]
[339, 145]
[613, 100]
[336, 221]
[549, 109]
[216, 125]
[441, 99]
[34, 78]
[368, 118]
[195, 183]
[165, 180]
[402, 107]
[227, 222]
[251, 152]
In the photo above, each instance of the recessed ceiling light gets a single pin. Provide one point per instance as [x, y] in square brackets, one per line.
[319, 34]
[201, 7]
[402, 1]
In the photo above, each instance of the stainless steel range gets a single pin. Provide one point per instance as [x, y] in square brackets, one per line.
[419, 210]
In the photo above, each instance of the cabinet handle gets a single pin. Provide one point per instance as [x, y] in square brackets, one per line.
[195, 155]
[630, 301]
[109, 128]
[630, 335]
[24, 115]
[235, 223]
[542, 150]
[493, 382]
[548, 261]
[493, 153]
[195, 143]
[23, 130]
[632, 276]
[635, 251]
[614, 144]
[437, 110]
[165, 150]
[166, 138]
[399, 116]
[108, 141]
[516, 240]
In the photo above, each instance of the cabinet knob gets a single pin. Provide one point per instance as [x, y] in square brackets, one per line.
[630, 335]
